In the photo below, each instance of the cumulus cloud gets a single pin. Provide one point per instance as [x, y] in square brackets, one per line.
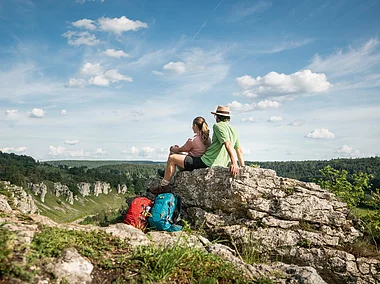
[178, 67]
[63, 112]
[99, 81]
[91, 69]
[10, 111]
[115, 53]
[133, 150]
[353, 61]
[114, 76]
[100, 152]
[348, 151]
[146, 152]
[81, 38]
[62, 151]
[13, 149]
[71, 142]
[268, 104]
[320, 133]
[36, 113]
[296, 123]
[239, 107]
[76, 82]
[99, 76]
[85, 24]
[275, 119]
[120, 25]
[249, 119]
[275, 84]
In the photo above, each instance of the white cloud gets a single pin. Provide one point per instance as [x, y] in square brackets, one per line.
[99, 81]
[91, 69]
[61, 151]
[114, 76]
[320, 133]
[348, 151]
[178, 67]
[239, 107]
[100, 152]
[71, 142]
[275, 119]
[13, 149]
[133, 150]
[81, 38]
[115, 53]
[63, 112]
[76, 82]
[146, 152]
[120, 25]
[275, 84]
[268, 104]
[348, 63]
[250, 119]
[10, 111]
[36, 113]
[296, 123]
[158, 73]
[85, 24]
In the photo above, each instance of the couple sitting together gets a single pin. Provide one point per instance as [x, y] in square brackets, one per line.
[203, 153]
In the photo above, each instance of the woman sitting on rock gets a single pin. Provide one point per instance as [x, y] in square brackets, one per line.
[194, 147]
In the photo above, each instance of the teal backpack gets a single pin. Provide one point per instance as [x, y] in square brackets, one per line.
[165, 213]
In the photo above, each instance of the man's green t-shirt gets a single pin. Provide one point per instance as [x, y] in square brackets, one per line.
[216, 154]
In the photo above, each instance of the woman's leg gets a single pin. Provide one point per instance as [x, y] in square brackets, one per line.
[173, 161]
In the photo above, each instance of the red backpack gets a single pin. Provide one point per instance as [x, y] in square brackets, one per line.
[138, 212]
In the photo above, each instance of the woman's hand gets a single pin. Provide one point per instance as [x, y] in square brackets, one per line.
[173, 149]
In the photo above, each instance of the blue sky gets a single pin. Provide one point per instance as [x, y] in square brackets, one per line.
[123, 79]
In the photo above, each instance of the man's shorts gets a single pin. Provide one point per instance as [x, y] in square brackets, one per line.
[192, 163]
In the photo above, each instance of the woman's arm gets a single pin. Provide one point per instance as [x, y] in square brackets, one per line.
[184, 148]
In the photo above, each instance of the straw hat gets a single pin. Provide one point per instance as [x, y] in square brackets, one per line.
[223, 111]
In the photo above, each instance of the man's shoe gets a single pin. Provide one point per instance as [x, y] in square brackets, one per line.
[159, 189]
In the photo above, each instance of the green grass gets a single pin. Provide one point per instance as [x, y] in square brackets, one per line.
[59, 210]
[115, 262]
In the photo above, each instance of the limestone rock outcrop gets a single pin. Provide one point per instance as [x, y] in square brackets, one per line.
[122, 189]
[84, 188]
[280, 218]
[19, 199]
[61, 189]
[39, 189]
[101, 187]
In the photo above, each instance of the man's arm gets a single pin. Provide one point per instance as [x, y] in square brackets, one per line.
[233, 168]
[239, 154]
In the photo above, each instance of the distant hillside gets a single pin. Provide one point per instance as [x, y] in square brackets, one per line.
[95, 164]
[309, 170]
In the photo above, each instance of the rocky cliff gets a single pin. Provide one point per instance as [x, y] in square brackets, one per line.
[279, 218]
[298, 232]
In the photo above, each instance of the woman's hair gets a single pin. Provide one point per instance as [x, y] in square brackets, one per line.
[200, 122]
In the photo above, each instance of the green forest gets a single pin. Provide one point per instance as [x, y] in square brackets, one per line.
[21, 169]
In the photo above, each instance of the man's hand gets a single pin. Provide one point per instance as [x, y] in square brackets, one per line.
[234, 169]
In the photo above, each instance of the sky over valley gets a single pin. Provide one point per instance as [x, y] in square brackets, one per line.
[123, 79]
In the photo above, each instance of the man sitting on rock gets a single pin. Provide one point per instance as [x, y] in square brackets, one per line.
[224, 139]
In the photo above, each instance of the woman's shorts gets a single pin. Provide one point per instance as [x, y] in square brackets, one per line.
[192, 163]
